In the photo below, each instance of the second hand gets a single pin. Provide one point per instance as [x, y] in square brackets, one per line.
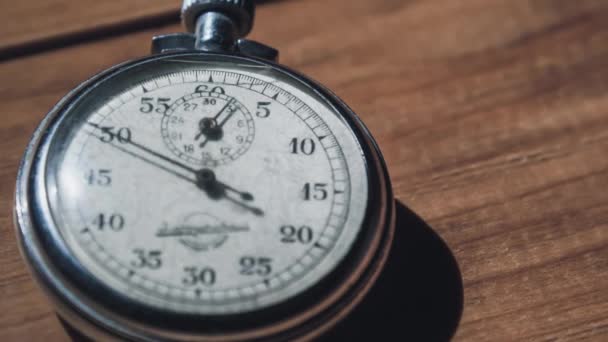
[205, 178]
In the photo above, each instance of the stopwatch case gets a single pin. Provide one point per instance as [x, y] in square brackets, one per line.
[100, 312]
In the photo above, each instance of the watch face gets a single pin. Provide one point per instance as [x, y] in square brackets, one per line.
[203, 184]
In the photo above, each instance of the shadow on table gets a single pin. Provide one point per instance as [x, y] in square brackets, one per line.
[418, 296]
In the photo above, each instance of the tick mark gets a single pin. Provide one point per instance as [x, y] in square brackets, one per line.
[323, 137]
[144, 89]
[318, 245]
[338, 192]
[276, 96]
[85, 230]
[210, 79]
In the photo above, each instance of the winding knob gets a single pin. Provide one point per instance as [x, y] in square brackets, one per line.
[240, 11]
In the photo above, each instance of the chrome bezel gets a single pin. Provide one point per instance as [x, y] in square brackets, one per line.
[35, 225]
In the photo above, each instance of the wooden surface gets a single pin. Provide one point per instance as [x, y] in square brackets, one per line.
[35, 25]
[492, 116]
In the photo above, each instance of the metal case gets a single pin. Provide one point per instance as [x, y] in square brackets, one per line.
[101, 313]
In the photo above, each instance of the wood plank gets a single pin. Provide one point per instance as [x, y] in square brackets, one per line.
[37, 26]
[31, 25]
[493, 119]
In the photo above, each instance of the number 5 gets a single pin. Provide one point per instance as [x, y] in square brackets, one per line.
[263, 110]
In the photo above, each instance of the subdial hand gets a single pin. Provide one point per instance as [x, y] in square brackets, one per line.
[211, 128]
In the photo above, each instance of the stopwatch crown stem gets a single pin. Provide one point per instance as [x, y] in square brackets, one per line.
[240, 12]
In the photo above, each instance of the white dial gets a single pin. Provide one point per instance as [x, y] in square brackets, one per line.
[213, 190]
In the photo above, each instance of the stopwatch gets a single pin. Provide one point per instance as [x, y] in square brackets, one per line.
[204, 193]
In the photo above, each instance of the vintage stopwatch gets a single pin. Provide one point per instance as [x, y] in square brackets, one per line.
[204, 193]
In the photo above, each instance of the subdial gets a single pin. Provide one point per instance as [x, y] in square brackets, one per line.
[208, 128]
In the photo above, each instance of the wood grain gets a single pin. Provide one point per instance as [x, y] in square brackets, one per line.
[492, 116]
[31, 25]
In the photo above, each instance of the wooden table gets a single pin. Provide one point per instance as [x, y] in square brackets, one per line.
[492, 116]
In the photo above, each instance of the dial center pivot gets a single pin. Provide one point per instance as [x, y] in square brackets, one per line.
[206, 181]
